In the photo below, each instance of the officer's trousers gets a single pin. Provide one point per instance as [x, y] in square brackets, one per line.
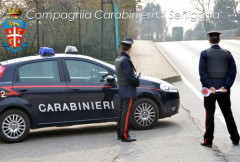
[225, 106]
[125, 108]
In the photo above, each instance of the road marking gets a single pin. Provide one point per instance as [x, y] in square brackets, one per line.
[219, 115]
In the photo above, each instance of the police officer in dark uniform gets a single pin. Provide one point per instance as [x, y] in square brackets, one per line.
[217, 70]
[127, 81]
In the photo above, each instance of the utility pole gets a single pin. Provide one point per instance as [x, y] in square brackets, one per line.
[43, 10]
[116, 30]
[102, 25]
[102, 34]
[37, 32]
[79, 28]
[79, 33]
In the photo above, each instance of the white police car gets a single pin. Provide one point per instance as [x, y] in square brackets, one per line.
[68, 89]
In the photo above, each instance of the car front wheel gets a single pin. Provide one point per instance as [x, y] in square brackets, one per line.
[144, 114]
[15, 126]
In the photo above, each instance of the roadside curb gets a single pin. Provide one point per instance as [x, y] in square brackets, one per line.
[175, 78]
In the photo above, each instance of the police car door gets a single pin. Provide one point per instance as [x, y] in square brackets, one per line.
[42, 89]
[89, 92]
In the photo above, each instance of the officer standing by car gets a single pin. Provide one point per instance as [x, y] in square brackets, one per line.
[127, 81]
[217, 70]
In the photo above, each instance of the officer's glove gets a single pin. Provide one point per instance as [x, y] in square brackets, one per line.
[224, 90]
[138, 81]
[213, 90]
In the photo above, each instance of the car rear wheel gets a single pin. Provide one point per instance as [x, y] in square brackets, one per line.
[14, 126]
[144, 114]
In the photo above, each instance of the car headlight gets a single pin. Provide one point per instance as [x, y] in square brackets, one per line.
[168, 87]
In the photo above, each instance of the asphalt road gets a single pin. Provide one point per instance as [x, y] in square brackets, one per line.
[185, 57]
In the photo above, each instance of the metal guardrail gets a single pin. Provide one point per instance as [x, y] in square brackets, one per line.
[228, 33]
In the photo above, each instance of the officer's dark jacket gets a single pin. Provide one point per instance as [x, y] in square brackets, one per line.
[217, 83]
[128, 90]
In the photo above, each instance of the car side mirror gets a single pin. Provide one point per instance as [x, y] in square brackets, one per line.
[110, 79]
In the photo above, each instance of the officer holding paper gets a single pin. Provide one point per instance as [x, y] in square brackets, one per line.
[217, 70]
[127, 81]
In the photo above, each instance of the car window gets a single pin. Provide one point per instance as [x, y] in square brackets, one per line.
[45, 71]
[81, 71]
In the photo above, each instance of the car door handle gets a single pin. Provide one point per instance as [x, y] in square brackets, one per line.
[23, 90]
[75, 90]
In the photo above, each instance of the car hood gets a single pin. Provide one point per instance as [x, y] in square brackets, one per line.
[150, 82]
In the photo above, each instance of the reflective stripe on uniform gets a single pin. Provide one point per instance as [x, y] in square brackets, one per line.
[126, 122]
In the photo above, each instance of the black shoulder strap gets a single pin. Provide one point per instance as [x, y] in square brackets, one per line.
[124, 57]
[207, 52]
[132, 66]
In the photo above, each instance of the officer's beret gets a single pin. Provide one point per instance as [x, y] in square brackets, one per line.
[128, 41]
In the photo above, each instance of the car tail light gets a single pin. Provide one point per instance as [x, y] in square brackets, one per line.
[2, 69]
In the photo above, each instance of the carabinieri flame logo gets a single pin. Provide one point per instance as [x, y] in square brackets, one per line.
[14, 27]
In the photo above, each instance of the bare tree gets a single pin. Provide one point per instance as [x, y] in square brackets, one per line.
[235, 6]
[203, 6]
